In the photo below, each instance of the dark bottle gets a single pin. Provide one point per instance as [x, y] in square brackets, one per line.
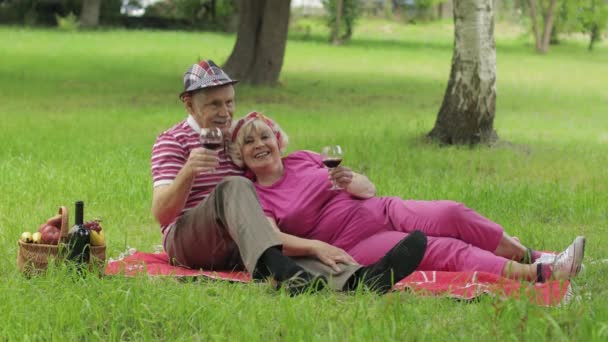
[79, 238]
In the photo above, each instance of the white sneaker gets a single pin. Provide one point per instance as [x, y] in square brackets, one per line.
[567, 264]
[545, 258]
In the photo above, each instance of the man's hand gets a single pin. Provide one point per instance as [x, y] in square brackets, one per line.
[342, 176]
[331, 255]
[202, 160]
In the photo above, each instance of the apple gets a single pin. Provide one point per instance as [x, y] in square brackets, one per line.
[97, 238]
[26, 237]
[36, 237]
[54, 221]
[94, 225]
[50, 234]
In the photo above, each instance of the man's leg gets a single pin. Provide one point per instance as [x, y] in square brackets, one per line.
[197, 241]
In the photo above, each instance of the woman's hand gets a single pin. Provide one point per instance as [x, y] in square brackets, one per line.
[342, 176]
[355, 184]
[331, 255]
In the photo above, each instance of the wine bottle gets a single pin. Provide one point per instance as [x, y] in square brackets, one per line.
[79, 238]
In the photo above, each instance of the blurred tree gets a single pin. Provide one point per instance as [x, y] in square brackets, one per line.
[201, 14]
[89, 15]
[257, 56]
[341, 18]
[594, 17]
[542, 39]
[587, 16]
[469, 104]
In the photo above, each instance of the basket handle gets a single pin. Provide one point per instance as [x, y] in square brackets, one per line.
[65, 222]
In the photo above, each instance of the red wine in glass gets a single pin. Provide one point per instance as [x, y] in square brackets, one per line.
[211, 139]
[332, 157]
[211, 145]
[333, 162]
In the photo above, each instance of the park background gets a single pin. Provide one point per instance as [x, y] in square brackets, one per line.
[80, 109]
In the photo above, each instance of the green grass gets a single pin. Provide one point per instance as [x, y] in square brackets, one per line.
[80, 111]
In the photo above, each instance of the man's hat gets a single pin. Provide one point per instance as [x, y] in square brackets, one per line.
[205, 74]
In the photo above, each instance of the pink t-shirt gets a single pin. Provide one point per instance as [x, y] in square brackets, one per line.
[302, 205]
[170, 153]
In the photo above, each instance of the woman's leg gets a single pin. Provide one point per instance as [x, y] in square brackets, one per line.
[454, 255]
[511, 248]
[517, 271]
[372, 249]
[442, 254]
[453, 219]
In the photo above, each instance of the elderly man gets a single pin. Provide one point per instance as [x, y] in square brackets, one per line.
[210, 217]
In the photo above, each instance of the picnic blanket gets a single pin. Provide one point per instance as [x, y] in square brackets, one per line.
[458, 285]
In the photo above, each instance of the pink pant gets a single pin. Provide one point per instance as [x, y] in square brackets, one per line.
[459, 239]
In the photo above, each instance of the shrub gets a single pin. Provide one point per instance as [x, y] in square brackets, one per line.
[69, 23]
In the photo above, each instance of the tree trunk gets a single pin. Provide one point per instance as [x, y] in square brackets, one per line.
[335, 32]
[257, 56]
[396, 10]
[534, 17]
[542, 40]
[89, 15]
[549, 17]
[594, 36]
[469, 104]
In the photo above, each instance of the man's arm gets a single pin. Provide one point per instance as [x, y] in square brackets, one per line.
[168, 201]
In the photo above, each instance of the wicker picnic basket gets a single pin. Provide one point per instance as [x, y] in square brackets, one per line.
[33, 258]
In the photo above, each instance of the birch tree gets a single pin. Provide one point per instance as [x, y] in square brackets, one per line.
[469, 104]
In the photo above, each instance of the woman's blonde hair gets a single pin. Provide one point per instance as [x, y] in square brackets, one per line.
[257, 125]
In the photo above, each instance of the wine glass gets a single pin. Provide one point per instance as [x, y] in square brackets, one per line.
[332, 157]
[211, 138]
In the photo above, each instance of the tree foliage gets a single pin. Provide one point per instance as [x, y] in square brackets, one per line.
[44, 12]
[586, 16]
[567, 16]
[209, 14]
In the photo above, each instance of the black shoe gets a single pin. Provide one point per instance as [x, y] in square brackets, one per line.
[398, 263]
[303, 282]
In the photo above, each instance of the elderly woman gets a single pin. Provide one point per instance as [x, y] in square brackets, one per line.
[339, 226]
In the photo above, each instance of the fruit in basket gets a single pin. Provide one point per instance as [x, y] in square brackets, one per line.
[97, 238]
[54, 221]
[50, 234]
[94, 225]
[37, 237]
[26, 237]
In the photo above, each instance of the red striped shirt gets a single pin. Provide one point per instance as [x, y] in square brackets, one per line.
[170, 153]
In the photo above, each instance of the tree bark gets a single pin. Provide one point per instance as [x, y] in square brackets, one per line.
[469, 104]
[335, 32]
[257, 56]
[549, 18]
[542, 40]
[534, 18]
[594, 36]
[89, 15]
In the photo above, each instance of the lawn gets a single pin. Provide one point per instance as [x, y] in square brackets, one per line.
[79, 113]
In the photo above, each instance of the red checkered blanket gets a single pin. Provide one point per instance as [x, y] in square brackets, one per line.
[458, 285]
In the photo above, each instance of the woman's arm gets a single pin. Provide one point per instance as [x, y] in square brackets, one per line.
[326, 253]
[354, 183]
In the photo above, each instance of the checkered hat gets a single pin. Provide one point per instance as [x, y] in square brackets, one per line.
[205, 74]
